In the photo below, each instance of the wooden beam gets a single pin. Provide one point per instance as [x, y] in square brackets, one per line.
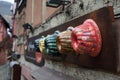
[107, 60]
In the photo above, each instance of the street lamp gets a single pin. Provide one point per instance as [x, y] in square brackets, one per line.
[28, 26]
[14, 36]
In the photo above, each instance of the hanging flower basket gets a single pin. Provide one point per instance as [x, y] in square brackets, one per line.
[50, 44]
[86, 38]
[64, 42]
[42, 45]
[36, 45]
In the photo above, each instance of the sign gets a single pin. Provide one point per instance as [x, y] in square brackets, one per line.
[32, 56]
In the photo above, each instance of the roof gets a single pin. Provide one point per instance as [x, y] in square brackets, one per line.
[4, 21]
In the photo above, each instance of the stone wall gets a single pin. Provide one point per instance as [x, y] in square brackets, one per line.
[77, 9]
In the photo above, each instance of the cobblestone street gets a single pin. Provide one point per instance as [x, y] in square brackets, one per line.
[5, 72]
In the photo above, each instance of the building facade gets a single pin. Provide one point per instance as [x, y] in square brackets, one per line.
[42, 19]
